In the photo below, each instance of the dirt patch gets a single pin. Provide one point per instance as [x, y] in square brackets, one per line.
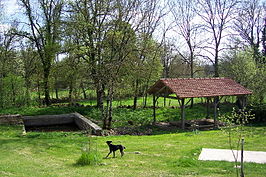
[200, 124]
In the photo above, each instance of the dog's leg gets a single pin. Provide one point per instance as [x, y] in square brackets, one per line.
[108, 154]
[122, 152]
[113, 154]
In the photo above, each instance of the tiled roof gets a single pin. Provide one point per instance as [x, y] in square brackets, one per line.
[199, 87]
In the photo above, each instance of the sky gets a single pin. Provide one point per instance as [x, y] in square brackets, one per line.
[10, 10]
[10, 7]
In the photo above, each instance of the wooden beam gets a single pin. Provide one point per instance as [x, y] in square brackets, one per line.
[208, 108]
[216, 102]
[156, 93]
[183, 113]
[171, 97]
[154, 111]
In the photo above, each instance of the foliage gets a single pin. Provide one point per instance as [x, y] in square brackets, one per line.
[12, 91]
[90, 154]
[259, 110]
[241, 67]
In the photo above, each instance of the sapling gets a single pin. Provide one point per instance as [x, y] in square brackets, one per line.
[235, 129]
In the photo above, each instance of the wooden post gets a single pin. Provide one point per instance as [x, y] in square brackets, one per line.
[154, 111]
[242, 158]
[215, 111]
[208, 108]
[183, 113]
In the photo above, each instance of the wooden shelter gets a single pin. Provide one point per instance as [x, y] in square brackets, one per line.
[184, 88]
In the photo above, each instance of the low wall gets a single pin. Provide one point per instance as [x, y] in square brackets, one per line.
[85, 124]
[11, 119]
[46, 120]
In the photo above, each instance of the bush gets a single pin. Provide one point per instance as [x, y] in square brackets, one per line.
[90, 154]
[260, 112]
[89, 158]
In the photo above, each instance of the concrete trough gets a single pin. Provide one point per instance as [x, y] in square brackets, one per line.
[63, 119]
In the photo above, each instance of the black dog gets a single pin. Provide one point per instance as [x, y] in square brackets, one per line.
[114, 148]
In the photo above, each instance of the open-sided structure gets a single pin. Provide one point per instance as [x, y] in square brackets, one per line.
[210, 88]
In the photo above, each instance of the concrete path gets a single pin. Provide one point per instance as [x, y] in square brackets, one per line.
[227, 155]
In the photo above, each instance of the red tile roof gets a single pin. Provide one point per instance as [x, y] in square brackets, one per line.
[198, 87]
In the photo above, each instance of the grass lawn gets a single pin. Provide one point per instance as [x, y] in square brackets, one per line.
[168, 154]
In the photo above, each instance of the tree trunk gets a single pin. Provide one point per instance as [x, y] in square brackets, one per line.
[136, 95]
[56, 93]
[108, 117]
[46, 87]
[1, 93]
[83, 91]
[216, 68]
[56, 88]
[13, 91]
[39, 91]
[110, 110]
[70, 92]
[27, 85]
[100, 94]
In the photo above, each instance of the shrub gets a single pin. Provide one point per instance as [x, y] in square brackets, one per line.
[260, 112]
[90, 154]
[89, 158]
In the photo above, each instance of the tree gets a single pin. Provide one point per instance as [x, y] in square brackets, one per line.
[7, 57]
[240, 66]
[151, 16]
[249, 25]
[44, 26]
[184, 16]
[264, 41]
[234, 128]
[216, 16]
[28, 56]
[106, 33]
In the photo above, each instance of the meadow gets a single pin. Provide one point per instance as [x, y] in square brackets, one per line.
[167, 154]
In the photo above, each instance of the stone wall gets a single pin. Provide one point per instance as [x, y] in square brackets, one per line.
[46, 120]
[85, 124]
[11, 119]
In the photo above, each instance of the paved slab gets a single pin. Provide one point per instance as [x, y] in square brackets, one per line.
[227, 155]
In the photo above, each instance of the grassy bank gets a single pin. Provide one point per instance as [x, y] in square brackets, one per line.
[139, 117]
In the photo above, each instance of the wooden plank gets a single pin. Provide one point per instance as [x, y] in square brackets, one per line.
[183, 113]
[154, 111]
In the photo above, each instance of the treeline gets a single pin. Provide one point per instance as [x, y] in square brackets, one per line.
[119, 48]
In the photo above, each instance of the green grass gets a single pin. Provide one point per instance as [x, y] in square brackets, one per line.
[176, 154]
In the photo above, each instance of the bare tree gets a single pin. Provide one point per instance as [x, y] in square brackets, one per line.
[216, 16]
[44, 25]
[185, 19]
[151, 15]
[249, 25]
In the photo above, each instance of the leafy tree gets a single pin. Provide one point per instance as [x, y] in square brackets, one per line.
[241, 67]
[44, 26]
[30, 63]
